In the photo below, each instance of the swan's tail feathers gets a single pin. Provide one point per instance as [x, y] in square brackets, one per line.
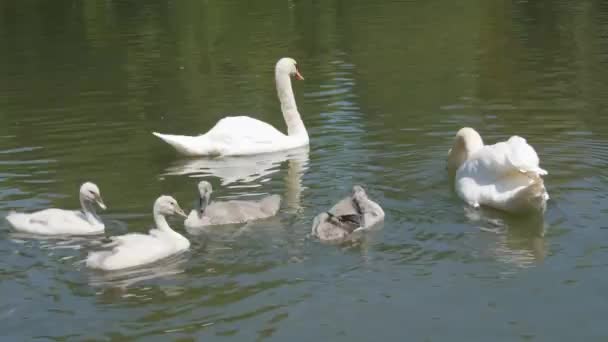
[532, 198]
[271, 204]
[189, 146]
[16, 219]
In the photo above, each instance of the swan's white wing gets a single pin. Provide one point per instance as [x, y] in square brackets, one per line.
[503, 158]
[233, 135]
[523, 156]
[244, 126]
[244, 135]
[505, 175]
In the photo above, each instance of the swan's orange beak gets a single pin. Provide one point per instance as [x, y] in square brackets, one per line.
[299, 76]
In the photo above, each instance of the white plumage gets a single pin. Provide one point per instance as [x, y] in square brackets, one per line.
[242, 135]
[505, 175]
[135, 249]
[63, 222]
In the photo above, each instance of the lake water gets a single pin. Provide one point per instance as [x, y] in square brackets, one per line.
[388, 83]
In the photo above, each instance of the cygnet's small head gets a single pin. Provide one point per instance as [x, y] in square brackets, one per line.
[90, 193]
[467, 141]
[205, 189]
[359, 193]
[358, 190]
[288, 66]
[167, 205]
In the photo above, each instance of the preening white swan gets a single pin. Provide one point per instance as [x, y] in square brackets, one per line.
[242, 135]
[351, 215]
[134, 249]
[229, 212]
[63, 222]
[504, 176]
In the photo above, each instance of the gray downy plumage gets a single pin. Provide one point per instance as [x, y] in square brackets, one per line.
[229, 212]
[346, 218]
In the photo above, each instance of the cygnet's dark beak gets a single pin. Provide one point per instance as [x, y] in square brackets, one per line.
[179, 211]
[100, 203]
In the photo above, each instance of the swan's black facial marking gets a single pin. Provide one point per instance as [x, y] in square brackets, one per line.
[297, 73]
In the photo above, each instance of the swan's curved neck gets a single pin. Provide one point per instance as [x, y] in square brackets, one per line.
[202, 204]
[161, 222]
[461, 150]
[88, 209]
[295, 126]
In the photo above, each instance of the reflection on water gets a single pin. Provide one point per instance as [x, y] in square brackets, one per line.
[520, 240]
[243, 169]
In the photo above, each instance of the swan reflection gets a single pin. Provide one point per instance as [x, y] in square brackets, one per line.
[520, 239]
[242, 169]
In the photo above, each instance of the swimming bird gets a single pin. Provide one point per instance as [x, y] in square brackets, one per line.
[63, 222]
[504, 176]
[243, 135]
[349, 216]
[229, 212]
[134, 249]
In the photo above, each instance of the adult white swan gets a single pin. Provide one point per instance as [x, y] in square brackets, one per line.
[242, 135]
[504, 176]
[351, 215]
[63, 222]
[134, 249]
[229, 212]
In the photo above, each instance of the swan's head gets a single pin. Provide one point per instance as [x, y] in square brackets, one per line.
[358, 191]
[167, 205]
[467, 141]
[204, 191]
[288, 66]
[90, 193]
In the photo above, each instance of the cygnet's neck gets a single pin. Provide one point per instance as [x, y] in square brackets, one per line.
[88, 208]
[202, 205]
[295, 126]
[464, 146]
[161, 222]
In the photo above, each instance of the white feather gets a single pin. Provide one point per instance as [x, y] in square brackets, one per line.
[63, 222]
[505, 176]
[131, 250]
[242, 135]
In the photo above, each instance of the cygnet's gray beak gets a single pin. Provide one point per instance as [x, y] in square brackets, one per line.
[100, 203]
[179, 211]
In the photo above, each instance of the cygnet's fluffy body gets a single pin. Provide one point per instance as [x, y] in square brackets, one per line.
[229, 212]
[63, 222]
[350, 215]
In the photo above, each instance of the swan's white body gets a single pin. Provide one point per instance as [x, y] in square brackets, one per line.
[134, 249]
[242, 135]
[63, 222]
[230, 212]
[504, 176]
[347, 218]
